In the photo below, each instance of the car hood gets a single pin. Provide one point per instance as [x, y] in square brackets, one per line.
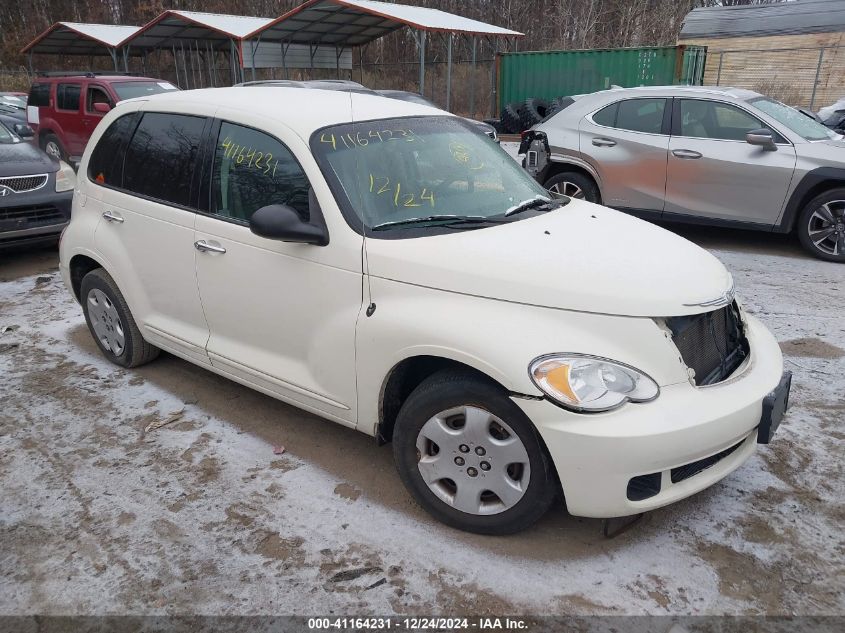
[22, 159]
[582, 257]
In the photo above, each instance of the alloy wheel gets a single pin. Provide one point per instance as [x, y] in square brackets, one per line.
[826, 227]
[473, 461]
[567, 188]
[52, 149]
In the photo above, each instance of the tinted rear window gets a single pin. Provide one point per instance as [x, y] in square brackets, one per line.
[162, 157]
[39, 95]
[67, 96]
[106, 164]
[132, 89]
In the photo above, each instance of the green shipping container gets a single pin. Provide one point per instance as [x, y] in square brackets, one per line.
[550, 74]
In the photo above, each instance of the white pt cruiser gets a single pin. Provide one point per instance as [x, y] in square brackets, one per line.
[383, 265]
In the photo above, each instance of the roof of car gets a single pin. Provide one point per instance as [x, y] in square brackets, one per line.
[724, 91]
[93, 76]
[304, 111]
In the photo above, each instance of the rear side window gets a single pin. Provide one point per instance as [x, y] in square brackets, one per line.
[161, 158]
[635, 115]
[105, 166]
[641, 115]
[253, 170]
[39, 95]
[67, 97]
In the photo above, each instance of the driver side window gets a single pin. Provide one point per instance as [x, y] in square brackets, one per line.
[714, 120]
[251, 170]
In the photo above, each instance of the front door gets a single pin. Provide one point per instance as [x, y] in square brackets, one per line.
[714, 173]
[281, 315]
[626, 142]
[94, 94]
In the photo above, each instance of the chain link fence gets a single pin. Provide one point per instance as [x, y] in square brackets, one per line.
[802, 77]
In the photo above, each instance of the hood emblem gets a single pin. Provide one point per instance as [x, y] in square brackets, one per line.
[5, 191]
[724, 299]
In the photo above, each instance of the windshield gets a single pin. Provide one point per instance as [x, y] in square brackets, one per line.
[799, 123]
[13, 100]
[6, 137]
[396, 170]
[132, 89]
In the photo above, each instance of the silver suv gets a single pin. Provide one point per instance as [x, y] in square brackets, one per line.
[719, 156]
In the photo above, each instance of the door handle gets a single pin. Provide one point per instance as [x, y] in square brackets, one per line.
[686, 153]
[205, 247]
[111, 217]
[603, 142]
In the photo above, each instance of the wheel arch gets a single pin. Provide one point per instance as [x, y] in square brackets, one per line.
[405, 376]
[79, 266]
[560, 166]
[813, 183]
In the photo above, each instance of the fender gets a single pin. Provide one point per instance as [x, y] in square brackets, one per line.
[810, 181]
[578, 162]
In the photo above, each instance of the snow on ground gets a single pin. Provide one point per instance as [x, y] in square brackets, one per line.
[200, 515]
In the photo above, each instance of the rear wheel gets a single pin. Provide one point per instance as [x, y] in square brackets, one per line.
[575, 185]
[111, 323]
[471, 457]
[52, 146]
[821, 226]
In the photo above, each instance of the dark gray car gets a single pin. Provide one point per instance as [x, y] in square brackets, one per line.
[719, 156]
[35, 192]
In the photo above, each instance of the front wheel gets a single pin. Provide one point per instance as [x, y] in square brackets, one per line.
[574, 185]
[52, 146]
[821, 226]
[471, 457]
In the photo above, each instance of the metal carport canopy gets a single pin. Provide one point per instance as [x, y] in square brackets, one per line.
[75, 38]
[348, 23]
[357, 22]
[174, 26]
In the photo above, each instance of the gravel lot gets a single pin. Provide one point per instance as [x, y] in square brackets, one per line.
[100, 516]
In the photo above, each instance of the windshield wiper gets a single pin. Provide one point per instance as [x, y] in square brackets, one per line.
[440, 220]
[536, 201]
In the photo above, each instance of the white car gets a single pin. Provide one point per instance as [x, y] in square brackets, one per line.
[382, 265]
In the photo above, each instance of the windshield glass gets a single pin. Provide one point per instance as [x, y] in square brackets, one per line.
[132, 89]
[6, 136]
[396, 170]
[13, 100]
[799, 123]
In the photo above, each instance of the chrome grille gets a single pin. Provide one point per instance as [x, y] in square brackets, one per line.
[22, 184]
[712, 344]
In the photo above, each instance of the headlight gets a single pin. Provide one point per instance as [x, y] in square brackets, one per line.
[65, 177]
[590, 384]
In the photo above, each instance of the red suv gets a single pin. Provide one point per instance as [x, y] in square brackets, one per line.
[64, 109]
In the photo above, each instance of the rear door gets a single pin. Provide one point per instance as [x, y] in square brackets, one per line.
[68, 115]
[146, 233]
[627, 143]
[714, 173]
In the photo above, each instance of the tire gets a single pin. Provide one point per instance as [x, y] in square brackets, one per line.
[528, 485]
[821, 226]
[50, 143]
[116, 333]
[510, 119]
[532, 112]
[575, 185]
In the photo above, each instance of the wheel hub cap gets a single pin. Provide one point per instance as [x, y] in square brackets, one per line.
[473, 461]
[105, 321]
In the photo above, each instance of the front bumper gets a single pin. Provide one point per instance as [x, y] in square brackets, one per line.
[34, 217]
[598, 455]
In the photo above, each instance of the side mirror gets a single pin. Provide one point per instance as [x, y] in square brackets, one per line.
[281, 222]
[762, 138]
[23, 130]
[102, 107]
